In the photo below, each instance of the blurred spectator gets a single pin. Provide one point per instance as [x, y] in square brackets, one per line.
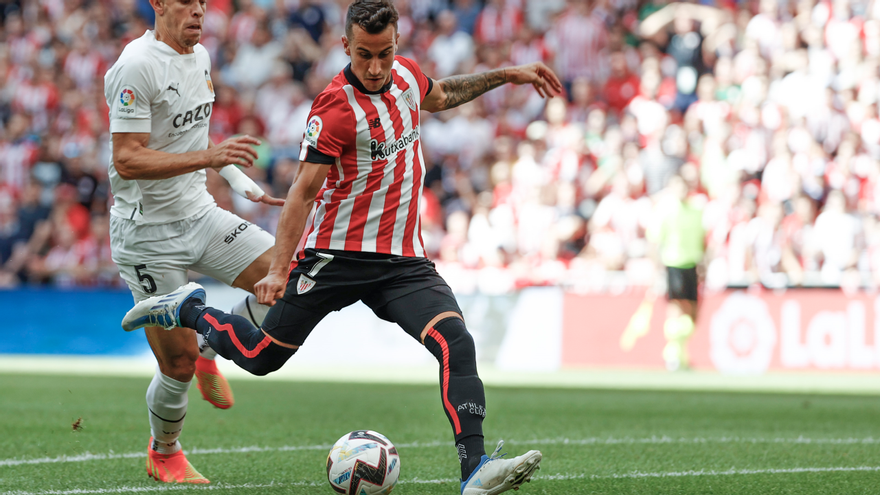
[769, 110]
[451, 48]
[836, 233]
[254, 60]
[467, 15]
[11, 231]
[310, 17]
[18, 152]
[578, 39]
[621, 86]
[499, 21]
[529, 47]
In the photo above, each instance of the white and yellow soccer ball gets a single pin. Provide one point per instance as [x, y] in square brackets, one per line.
[363, 462]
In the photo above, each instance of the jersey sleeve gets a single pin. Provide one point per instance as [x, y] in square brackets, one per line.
[330, 121]
[130, 92]
[426, 84]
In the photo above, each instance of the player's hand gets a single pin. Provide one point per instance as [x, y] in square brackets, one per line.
[235, 150]
[269, 200]
[538, 75]
[270, 288]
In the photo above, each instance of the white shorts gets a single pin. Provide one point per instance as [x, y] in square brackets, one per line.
[154, 259]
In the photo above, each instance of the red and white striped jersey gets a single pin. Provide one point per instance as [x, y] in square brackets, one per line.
[497, 25]
[371, 196]
[579, 43]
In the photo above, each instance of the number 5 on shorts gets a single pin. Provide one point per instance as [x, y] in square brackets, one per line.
[143, 276]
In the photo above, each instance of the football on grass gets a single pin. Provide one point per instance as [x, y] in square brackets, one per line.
[363, 462]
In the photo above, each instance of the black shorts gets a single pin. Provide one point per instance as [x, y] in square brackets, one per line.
[403, 290]
[682, 283]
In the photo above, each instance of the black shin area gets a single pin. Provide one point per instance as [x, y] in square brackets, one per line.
[237, 339]
[461, 388]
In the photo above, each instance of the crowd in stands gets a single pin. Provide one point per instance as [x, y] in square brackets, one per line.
[768, 109]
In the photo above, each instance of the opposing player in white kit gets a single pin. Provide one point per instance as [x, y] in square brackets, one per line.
[164, 222]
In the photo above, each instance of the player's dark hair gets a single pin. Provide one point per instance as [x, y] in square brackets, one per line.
[373, 16]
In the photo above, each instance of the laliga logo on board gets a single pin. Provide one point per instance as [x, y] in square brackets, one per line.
[742, 336]
[832, 340]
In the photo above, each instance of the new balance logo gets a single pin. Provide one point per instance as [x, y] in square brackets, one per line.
[172, 88]
[375, 123]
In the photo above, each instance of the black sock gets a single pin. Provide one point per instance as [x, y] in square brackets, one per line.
[461, 389]
[470, 452]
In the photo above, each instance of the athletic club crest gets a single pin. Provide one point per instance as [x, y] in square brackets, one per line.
[304, 284]
[410, 99]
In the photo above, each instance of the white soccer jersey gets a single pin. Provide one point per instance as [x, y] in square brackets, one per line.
[154, 89]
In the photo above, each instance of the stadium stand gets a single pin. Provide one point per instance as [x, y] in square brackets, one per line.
[768, 110]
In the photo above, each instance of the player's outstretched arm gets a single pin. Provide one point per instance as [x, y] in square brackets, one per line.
[134, 161]
[309, 179]
[456, 90]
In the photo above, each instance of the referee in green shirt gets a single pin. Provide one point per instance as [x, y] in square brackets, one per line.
[679, 237]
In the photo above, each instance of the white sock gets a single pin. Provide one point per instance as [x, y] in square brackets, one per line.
[166, 400]
[204, 349]
[247, 307]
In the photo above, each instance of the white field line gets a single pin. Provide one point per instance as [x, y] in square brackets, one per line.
[552, 477]
[536, 442]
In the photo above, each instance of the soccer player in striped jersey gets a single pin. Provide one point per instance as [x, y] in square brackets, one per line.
[362, 168]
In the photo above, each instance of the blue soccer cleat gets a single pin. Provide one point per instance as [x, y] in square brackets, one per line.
[496, 475]
[162, 311]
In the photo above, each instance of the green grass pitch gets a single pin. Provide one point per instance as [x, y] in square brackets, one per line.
[275, 440]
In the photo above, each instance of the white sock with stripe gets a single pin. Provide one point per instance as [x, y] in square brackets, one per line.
[166, 400]
[247, 307]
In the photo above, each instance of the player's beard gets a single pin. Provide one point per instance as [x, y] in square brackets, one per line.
[188, 38]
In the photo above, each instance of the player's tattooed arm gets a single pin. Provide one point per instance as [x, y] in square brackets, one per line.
[462, 89]
[456, 90]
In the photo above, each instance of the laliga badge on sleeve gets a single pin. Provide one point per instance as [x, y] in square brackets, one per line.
[313, 130]
[126, 101]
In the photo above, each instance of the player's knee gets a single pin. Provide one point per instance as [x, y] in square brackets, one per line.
[180, 366]
[450, 337]
[262, 367]
[269, 361]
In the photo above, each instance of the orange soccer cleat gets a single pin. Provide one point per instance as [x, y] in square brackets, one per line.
[212, 384]
[171, 468]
